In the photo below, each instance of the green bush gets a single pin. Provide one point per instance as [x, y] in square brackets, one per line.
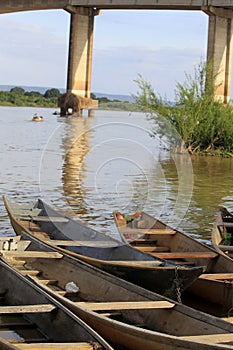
[52, 93]
[196, 121]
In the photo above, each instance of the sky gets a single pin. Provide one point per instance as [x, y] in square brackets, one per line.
[161, 46]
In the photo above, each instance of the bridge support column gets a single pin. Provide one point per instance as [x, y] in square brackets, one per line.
[219, 52]
[80, 50]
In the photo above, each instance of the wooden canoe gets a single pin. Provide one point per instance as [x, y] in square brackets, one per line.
[82, 242]
[222, 232]
[126, 315]
[32, 319]
[146, 233]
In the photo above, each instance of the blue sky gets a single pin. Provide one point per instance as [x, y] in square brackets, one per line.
[159, 45]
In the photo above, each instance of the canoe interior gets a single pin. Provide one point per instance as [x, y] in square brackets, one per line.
[173, 242]
[28, 315]
[157, 238]
[101, 250]
[222, 233]
[119, 299]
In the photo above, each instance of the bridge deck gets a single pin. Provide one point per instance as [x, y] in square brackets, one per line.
[7, 6]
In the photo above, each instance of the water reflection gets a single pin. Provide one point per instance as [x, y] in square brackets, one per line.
[76, 145]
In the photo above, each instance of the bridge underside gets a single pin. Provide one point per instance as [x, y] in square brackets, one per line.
[7, 6]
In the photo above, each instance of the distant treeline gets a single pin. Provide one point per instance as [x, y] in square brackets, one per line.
[17, 96]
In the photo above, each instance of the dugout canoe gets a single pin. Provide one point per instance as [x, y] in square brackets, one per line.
[127, 316]
[32, 319]
[111, 255]
[222, 232]
[146, 233]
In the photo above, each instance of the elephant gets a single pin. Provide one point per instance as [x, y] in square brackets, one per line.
[77, 103]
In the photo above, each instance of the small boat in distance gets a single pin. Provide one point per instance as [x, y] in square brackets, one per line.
[82, 242]
[222, 232]
[37, 118]
[127, 316]
[146, 233]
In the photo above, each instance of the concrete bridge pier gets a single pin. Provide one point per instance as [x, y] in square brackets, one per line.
[219, 52]
[80, 50]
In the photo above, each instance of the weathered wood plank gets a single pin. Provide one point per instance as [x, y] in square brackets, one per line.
[210, 338]
[138, 263]
[57, 346]
[186, 255]
[151, 249]
[31, 254]
[228, 319]
[126, 305]
[8, 245]
[45, 218]
[30, 272]
[15, 309]
[154, 231]
[61, 292]
[217, 276]
[82, 243]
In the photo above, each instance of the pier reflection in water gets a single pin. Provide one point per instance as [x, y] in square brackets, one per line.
[109, 162]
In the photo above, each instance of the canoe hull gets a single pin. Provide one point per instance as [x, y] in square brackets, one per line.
[153, 328]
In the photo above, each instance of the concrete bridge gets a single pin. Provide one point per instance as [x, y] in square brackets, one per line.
[83, 12]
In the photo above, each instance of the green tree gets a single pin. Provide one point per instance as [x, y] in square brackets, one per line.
[52, 93]
[196, 121]
[32, 93]
[17, 90]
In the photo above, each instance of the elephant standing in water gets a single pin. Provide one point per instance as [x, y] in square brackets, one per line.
[74, 102]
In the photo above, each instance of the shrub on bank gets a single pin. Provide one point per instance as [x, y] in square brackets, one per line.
[196, 121]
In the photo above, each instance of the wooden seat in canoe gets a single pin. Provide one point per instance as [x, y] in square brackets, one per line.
[19, 309]
[144, 240]
[93, 243]
[152, 231]
[217, 276]
[30, 272]
[31, 254]
[151, 249]
[58, 346]
[126, 305]
[54, 219]
[136, 263]
[186, 255]
[228, 319]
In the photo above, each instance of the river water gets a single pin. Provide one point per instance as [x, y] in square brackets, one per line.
[91, 166]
